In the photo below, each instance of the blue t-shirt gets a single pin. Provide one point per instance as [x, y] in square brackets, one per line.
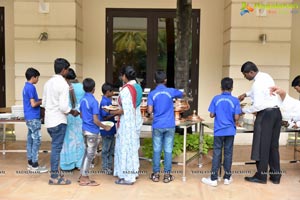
[161, 98]
[106, 102]
[224, 106]
[29, 92]
[89, 107]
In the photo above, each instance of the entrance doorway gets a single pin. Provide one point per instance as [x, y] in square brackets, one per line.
[145, 39]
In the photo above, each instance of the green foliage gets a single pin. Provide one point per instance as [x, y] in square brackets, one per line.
[192, 144]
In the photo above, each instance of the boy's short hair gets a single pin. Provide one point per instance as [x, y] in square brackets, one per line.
[296, 81]
[107, 87]
[227, 83]
[160, 76]
[60, 64]
[249, 66]
[71, 74]
[31, 72]
[88, 85]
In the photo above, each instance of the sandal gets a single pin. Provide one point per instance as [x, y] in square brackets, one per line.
[154, 177]
[122, 181]
[88, 183]
[59, 181]
[168, 178]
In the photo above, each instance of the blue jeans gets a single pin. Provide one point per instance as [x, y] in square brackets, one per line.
[108, 144]
[219, 142]
[163, 139]
[57, 134]
[91, 142]
[33, 140]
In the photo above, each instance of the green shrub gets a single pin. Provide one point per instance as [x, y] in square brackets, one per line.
[192, 144]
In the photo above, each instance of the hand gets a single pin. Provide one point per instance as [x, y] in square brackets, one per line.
[107, 128]
[242, 97]
[75, 113]
[276, 90]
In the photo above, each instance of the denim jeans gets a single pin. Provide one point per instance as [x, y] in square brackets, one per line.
[91, 143]
[57, 134]
[108, 144]
[163, 139]
[219, 142]
[33, 140]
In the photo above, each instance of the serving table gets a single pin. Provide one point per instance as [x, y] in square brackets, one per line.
[248, 128]
[4, 122]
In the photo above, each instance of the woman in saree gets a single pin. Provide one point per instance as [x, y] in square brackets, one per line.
[126, 158]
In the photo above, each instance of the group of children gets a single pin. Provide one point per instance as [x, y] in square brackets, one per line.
[91, 113]
[224, 108]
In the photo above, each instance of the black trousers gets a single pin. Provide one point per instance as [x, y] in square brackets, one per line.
[265, 145]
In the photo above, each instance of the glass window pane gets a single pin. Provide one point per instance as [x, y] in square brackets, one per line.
[129, 47]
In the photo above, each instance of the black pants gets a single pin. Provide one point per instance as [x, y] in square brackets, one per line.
[265, 145]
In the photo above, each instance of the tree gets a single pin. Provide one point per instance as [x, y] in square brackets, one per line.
[184, 20]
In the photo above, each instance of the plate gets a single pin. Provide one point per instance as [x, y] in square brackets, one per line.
[240, 128]
[111, 107]
[107, 123]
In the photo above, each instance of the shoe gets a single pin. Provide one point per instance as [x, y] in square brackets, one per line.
[228, 181]
[210, 182]
[254, 179]
[274, 180]
[168, 178]
[59, 181]
[38, 169]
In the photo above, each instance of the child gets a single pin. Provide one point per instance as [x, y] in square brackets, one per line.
[225, 109]
[108, 138]
[31, 106]
[160, 102]
[89, 110]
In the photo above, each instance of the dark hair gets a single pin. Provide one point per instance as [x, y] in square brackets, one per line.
[71, 74]
[60, 64]
[249, 66]
[226, 83]
[296, 81]
[160, 76]
[107, 87]
[88, 85]
[31, 72]
[129, 72]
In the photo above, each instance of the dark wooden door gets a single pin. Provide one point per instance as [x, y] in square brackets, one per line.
[2, 59]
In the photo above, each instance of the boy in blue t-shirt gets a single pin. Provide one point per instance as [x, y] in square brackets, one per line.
[89, 111]
[160, 102]
[226, 109]
[31, 106]
[108, 138]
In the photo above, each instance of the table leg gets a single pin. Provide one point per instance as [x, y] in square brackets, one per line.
[201, 132]
[184, 154]
[4, 139]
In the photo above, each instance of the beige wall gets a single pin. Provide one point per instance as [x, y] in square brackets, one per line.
[211, 37]
[241, 43]
[64, 27]
[9, 51]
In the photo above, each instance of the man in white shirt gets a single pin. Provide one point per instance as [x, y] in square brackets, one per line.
[267, 124]
[56, 103]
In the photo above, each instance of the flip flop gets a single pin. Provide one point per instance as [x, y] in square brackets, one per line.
[89, 183]
[123, 182]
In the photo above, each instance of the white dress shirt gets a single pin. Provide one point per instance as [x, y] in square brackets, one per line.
[260, 94]
[290, 109]
[56, 101]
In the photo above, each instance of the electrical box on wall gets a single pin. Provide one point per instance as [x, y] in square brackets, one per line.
[44, 7]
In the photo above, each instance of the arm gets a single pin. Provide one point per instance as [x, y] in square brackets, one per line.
[150, 109]
[34, 103]
[212, 115]
[98, 123]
